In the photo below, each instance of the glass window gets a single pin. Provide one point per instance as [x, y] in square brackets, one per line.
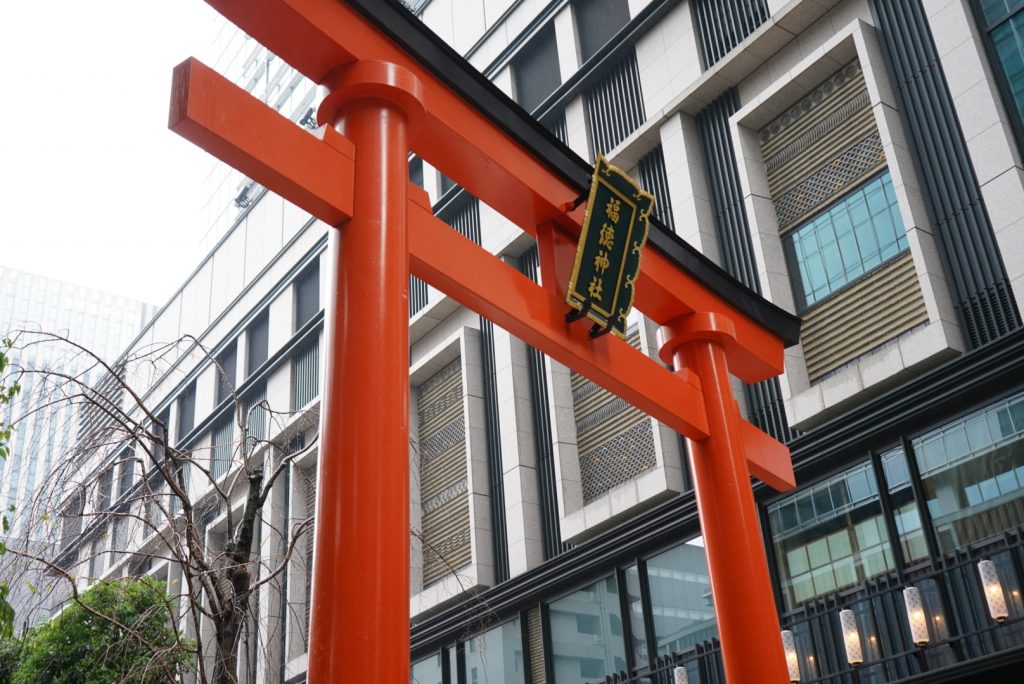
[586, 634]
[972, 472]
[535, 73]
[904, 508]
[1004, 21]
[496, 656]
[427, 671]
[681, 605]
[258, 342]
[187, 410]
[597, 21]
[105, 489]
[307, 295]
[228, 362]
[830, 536]
[852, 237]
[126, 478]
[635, 609]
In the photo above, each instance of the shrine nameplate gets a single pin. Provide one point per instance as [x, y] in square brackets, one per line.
[603, 281]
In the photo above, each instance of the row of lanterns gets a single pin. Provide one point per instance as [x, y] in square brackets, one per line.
[994, 596]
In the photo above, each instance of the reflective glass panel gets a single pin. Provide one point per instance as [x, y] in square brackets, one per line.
[586, 634]
[904, 508]
[681, 604]
[1008, 39]
[427, 671]
[634, 600]
[496, 656]
[836, 538]
[972, 472]
[850, 238]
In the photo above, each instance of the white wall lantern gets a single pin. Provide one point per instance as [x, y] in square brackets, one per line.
[789, 647]
[993, 590]
[915, 616]
[680, 675]
[851, 638]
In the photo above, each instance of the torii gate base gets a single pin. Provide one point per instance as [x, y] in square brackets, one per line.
[356, 179]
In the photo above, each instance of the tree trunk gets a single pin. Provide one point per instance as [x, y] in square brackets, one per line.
[226, 666]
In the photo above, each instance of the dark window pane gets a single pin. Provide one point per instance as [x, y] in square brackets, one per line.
[187, 410]
[227, 361]
[307, 295]
[995, 10]
[258, 337]
[597, 21]
[106, 486]
[127, 475]
[1007, 38]
[535, 69]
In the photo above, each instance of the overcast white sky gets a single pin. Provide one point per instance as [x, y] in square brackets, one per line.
[94, 189]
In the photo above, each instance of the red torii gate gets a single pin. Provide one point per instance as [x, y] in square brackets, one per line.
[391, 87]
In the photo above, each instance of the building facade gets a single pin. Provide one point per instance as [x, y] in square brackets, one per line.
[855, 162]
[101, 322]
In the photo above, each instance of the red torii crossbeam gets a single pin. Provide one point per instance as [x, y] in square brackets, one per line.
[352, 174]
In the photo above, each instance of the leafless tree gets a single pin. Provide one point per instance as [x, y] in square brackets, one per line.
[127, 491]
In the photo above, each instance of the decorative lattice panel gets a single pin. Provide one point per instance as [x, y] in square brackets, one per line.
[443, 478]
[830, 180]
[615, 440]
[821, 146]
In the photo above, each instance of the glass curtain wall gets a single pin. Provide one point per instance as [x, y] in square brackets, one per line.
[830, 536]
[496, 656]
[427, 671]
[667, 598]
[586, 634]
[972, 473]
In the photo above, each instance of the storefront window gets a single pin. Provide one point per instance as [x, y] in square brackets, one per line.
[496, 656]
[586, 634]
[972, 472]
[681, 605]
[830, 536]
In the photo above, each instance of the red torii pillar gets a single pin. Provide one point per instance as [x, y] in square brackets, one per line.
[355, 179]
[361, 559]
